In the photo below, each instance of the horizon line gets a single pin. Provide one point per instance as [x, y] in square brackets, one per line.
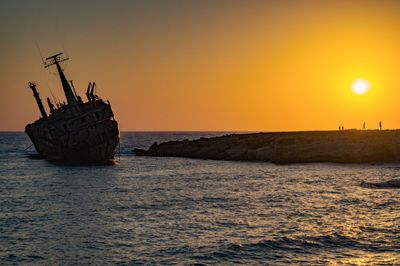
[226, 131]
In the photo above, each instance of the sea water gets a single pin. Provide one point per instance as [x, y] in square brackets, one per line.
[148, 210]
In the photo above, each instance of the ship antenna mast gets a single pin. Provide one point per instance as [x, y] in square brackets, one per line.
[56, 60]
[40, 53]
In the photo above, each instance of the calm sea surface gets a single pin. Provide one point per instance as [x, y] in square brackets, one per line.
[148, 210]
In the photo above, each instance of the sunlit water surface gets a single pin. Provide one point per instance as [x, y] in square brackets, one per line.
[174, 210]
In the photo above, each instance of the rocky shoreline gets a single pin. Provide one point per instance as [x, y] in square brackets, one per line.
[348, 146]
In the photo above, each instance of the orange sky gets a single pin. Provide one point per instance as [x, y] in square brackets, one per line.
[208, 65]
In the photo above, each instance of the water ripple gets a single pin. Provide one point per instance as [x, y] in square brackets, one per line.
[196, 212]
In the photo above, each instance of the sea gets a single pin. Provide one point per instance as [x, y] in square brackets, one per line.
[168, 211]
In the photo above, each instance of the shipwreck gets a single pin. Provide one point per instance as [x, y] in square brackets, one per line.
[75, 131]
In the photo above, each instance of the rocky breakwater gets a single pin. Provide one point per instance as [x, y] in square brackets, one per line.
[348, 146]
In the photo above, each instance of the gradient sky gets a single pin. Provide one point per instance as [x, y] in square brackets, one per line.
[208, 65]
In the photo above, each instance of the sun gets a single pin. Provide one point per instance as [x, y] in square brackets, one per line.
[360, 86]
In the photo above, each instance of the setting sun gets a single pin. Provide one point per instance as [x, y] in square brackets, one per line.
[360, 86]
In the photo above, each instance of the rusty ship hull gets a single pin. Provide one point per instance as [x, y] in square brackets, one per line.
[77, 132]
[90, 137]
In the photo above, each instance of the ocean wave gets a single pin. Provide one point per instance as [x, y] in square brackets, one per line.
[12, 258]
[280, 249]
[283, 247]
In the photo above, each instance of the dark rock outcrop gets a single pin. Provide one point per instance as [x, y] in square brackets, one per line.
[349, 146]
[394, 183]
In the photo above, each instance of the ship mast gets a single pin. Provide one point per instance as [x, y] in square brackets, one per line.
[56, 60]
[32, 85]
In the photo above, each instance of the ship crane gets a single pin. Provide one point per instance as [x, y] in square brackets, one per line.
[90, 92]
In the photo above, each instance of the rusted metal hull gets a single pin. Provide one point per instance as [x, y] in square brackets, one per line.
[82, 141]
[88, 150]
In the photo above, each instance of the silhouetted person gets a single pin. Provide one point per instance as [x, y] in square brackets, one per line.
[380, 125]
[340, 128]
[364, 126]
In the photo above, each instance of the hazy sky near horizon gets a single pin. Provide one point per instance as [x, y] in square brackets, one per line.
[208, 65]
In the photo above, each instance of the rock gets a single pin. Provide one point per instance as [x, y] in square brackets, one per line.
[394, 183]
[350, 146]
[155, 145]
[139, 152]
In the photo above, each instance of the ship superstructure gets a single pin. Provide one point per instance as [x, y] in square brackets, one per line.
[75, 131]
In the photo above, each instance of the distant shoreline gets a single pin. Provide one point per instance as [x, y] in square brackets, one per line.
[346, 146]
[218, 131]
